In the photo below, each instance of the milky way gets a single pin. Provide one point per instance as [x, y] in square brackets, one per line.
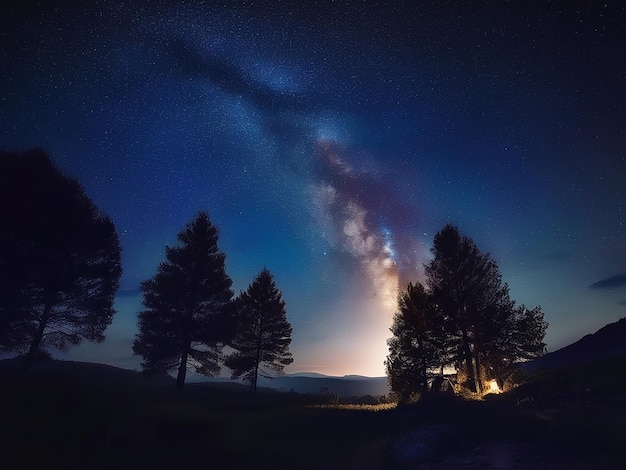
[330, 141]
[361, 216]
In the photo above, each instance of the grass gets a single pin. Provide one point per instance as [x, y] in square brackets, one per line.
[354, 407]
[79, 417]
[62, 420]
[577, 414]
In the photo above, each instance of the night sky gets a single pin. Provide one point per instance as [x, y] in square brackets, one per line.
[330, 141]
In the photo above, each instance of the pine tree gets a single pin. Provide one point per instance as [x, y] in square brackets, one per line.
[264, 334]
[418, 342]
[188, 316]
[449, 276]
[465, 318]
[60, 267]
[467, 288]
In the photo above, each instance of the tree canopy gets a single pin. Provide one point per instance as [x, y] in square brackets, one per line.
[188, 315]
[60, 267]
[416, 343]
[263, 335]
[463, 317]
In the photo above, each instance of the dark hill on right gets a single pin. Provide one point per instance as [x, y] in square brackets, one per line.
[608, 342]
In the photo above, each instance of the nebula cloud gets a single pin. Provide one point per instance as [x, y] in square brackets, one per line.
[361, 215]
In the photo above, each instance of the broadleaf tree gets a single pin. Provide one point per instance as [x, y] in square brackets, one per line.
[188, 315]
[263, 336]
[60, 266]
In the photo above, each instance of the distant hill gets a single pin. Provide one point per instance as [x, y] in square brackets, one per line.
[102, 374]
[348, 386]
[91, 372]
[609, 341]
[313, 383]
[313, 375]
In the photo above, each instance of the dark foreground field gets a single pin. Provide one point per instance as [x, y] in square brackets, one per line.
[74, 415]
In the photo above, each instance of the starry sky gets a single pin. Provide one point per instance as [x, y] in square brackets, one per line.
[330, 140]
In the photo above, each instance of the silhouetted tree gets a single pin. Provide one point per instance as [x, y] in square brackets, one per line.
[520, 339]
[418, 343]
[466, 313]
[264, 334]
[530, 330]
[448, 277]
[60, 265]
[467, 287]
[188, 315]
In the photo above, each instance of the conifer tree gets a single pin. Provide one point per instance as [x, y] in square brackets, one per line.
[467, 287]
[264, 334]
[470, 319]
[523, 341]
[418, 342]
[188, 316]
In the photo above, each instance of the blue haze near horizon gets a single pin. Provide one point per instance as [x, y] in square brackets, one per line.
[330, 141]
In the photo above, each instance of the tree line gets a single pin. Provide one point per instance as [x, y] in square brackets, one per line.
[60, 270]
[463, 317]
[61, 265]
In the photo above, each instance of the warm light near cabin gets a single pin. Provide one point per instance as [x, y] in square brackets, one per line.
[493, 387]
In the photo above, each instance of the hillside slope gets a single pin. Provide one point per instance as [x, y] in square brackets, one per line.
[609, 341]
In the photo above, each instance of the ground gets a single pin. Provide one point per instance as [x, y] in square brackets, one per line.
[94, 417]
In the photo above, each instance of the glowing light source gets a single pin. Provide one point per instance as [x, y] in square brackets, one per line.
[492, 387]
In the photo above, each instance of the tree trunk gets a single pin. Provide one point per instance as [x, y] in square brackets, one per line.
[256, 366]
[257, 360]
[477, 374]
[423, 379]
[254, 379]
[36, 343]
[469, 363]
[182, 368]
[465, 347]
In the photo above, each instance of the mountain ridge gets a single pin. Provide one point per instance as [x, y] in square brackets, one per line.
[607, 342]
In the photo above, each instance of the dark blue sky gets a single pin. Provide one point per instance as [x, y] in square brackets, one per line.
[330, 141]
